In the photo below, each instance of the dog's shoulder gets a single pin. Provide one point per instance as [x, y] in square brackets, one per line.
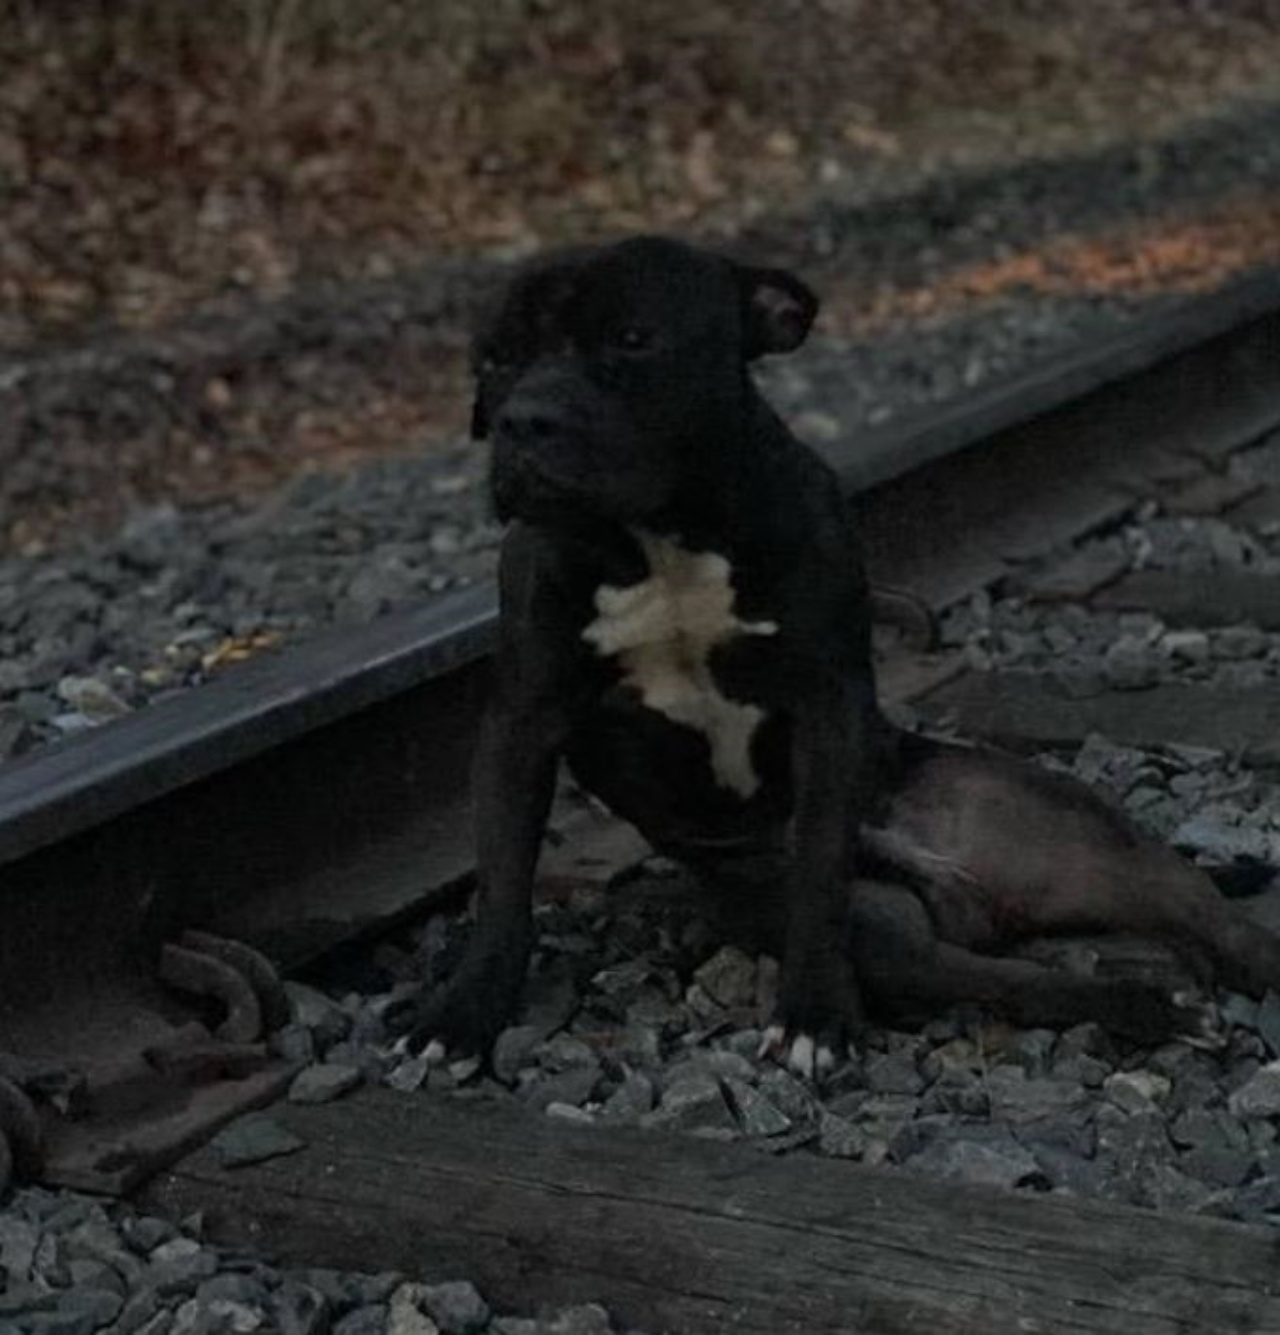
[799, 505]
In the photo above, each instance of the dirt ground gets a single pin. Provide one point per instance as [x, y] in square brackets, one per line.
[157, 158]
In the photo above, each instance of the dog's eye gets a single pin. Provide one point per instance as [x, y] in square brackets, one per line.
[631, 338]
[493, 364]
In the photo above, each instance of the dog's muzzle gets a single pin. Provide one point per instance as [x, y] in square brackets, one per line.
[532, 479]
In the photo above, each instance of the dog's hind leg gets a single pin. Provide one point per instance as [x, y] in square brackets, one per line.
[905, 968]
[1041, 854]
[1144, 887]
[1163, 895]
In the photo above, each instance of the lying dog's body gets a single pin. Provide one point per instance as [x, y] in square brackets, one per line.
[685, 619]
[971, 853]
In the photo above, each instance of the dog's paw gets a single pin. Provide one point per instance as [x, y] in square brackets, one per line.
[438, 1023]
[464, 1017]
[800, 1052]
[1200, 1023]
[819, 1015]
[1143, 1013]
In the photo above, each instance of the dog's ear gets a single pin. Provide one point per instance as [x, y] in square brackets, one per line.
[481, 402]
[778, 311]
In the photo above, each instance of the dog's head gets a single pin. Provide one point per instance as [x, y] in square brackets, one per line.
[614, 380]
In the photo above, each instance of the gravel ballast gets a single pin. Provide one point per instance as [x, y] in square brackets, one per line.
[71, 1265]
[88, 635]
[639, 1016]
[641, 1012]
[622, 1029]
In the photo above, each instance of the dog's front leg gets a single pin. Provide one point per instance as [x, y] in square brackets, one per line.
[820, 1005]
[523, 733]
[513, 781]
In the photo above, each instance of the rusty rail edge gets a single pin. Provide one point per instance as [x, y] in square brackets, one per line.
[95, 777]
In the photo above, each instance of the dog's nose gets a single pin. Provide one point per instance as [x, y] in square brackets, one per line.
[529, 421]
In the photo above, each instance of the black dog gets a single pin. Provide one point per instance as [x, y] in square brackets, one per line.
[685, 619]
[684, 615]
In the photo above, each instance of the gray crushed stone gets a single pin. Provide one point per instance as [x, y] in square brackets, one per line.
[324, 1082]
[72, 1265]
[254, 1138]
[1097, 649]
[664, 1025]
[103, 627]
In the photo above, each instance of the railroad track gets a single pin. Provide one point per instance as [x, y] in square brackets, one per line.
[312, 803]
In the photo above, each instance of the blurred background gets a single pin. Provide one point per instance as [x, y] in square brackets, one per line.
[241, 244]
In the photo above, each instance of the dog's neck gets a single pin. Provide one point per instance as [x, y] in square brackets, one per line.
[730, 499]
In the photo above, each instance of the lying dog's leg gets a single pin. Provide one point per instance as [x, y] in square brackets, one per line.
[1154, 892]
[1043, 854]
[906, 969]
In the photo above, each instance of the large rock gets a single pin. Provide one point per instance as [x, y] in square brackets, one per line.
[1260, 1095]
[988, 1156]
[324, 1082]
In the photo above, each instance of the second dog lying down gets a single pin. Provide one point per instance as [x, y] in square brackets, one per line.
[977, 850]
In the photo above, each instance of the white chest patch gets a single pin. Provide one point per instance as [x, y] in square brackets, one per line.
[662, 631]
